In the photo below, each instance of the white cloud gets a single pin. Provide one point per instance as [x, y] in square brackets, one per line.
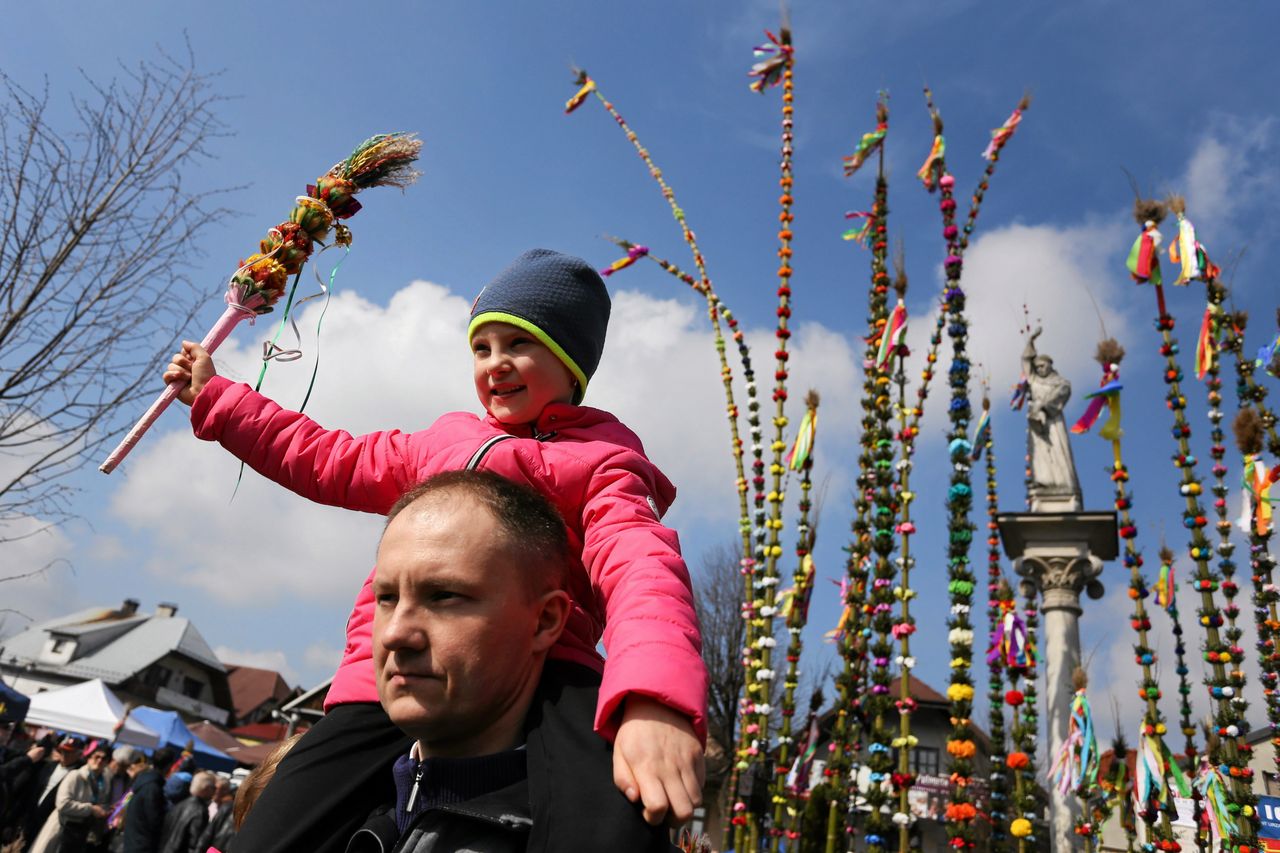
[1231, 169]
[320, 657]
[261, 659]
[36, 568]
[1062, 275]
[402, 365]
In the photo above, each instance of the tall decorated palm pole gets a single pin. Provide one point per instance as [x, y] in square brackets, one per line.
[793, 604]
[1226, 678]
[961, 744]
[999, 780]
[1255, 429]
[857, 707]
[1158, 774]
[588, 88]
[773, 68]
[879, 491]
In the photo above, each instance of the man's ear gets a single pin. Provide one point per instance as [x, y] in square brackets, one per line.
[553, 614]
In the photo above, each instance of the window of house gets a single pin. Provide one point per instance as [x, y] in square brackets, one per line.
[191, 687]
[926, 760]
[60, 646]
[156, 676]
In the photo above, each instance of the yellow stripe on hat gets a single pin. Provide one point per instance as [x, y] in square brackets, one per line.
[543, 338]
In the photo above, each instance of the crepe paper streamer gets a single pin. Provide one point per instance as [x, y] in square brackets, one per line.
[792, 601]
[634, 254]
[1003, 133]
[1010, 642]
[1144, 256]
[587, 87]
[1107, 396]
[982, 432]
[1205, 348]
[894, 337]
[382, 160]
[863, 234]
[803, 445]
[1257, 494]
[797, 776]
[1213, 789]
[1156, 767]
[868, 145]
[771, 60]
[1186, 251]
[1019, 397]
[1266, 358]
[1075, 768]
[1165, 587]
[928, 173]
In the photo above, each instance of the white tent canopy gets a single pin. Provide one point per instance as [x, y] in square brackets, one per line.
[89, 708]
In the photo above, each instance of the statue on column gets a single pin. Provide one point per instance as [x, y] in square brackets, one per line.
[1053, 468]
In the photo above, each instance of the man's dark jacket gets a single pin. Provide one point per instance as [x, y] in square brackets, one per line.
[574, 808]
[183, 825]
[498, 822]
[144, 818]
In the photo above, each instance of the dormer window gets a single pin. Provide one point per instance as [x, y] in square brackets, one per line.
[58, 650]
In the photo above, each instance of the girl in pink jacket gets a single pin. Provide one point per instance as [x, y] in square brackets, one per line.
[537, 333]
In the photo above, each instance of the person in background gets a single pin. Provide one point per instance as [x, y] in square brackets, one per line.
[43, 793]
[221, 829]
[121, 758]
[24, 759]
[145, 812]
[79, 818]
[186, 821]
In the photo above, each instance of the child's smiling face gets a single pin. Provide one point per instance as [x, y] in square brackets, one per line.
[516, 375]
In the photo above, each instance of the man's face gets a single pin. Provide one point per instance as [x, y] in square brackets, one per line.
[1042, 367]
[97, 761]
[456, 636]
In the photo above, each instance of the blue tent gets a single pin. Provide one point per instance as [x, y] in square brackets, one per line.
[13, 705]
[174, 733]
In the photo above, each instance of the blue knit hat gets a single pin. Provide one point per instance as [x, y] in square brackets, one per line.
[559, 299]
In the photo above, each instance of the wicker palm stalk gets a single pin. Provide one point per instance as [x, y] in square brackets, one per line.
[1255, 427]
[1000, 780]
[795, 611]
[1226, 685]
[587, 87]
[863, 595]
[1154, 755]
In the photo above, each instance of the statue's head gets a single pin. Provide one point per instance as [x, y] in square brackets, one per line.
[1042, 365]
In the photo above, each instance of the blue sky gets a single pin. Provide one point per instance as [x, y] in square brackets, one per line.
[1181, 97]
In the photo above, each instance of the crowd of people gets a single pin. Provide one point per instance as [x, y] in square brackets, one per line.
[69, 795]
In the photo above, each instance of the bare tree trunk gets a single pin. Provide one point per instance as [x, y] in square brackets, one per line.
[96, 234]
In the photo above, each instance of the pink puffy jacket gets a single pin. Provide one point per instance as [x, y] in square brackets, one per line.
[635, 590]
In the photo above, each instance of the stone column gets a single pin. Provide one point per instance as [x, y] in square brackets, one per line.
[1059, 555]
[1060, 574]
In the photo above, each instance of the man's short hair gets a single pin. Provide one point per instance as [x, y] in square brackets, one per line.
[162, 759]
[203, 783]
[127, 756]
[529, 521]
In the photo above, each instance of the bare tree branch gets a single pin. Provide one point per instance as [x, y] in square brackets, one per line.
[97, 229]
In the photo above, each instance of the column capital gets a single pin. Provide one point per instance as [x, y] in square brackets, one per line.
[1061, 578]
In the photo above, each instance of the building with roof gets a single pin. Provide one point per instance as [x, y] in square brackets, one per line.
[256, 694]
[157, 659]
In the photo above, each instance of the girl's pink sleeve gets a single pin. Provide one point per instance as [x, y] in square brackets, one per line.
[651, 636]
[367, 473]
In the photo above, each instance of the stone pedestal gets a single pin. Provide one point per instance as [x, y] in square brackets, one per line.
[1060, 555]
